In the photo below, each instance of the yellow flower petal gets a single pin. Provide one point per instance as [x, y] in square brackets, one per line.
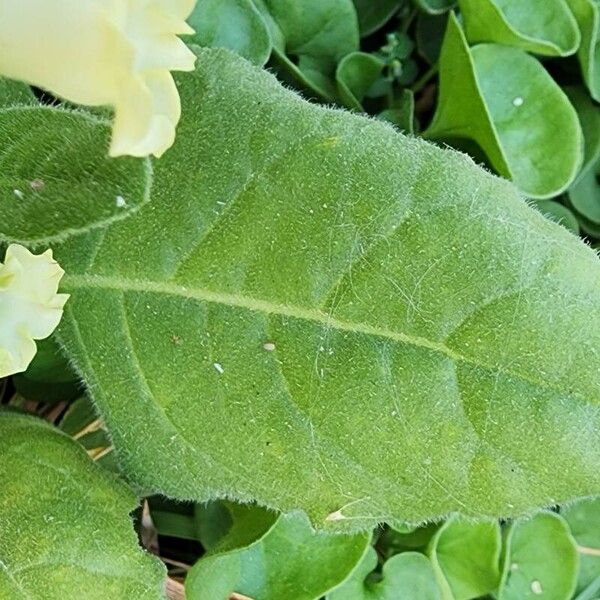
[30, 307]
[104, 52]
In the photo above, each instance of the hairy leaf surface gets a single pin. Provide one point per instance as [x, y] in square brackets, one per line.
[56, 179]
[64, 522]
[331, 316]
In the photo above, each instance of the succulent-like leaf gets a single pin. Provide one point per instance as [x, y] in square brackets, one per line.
[309, 39]
[540, 560]
[406, 575]
[355, 75]
[587, 14]
[435, 7]
[373, 15]
[584, 193]
[289, 561]
[541, 26]
[465, 557]
[503, 99]
[584, 520]
[233, 24]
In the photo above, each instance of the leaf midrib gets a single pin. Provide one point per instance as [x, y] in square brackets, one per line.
[73, 282]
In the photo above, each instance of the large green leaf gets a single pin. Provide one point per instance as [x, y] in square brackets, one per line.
[289, 561]
[405, 576]
[233, 24]
[587, 13]
[504, 100]
[465, 555]
[541, 26]
[64, 522]
[317, 312]
[355, 75]
[309, 38]
[540, 560]
[56, 178]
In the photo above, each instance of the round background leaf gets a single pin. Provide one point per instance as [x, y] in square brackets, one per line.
[289, 561]
[429, 36]
[56, 179]
[584, 193]
[373, 15]
[465, 556]
[405, 576]
[233, 24]
[355, 75]
[588, 227]
[402, 114]
[504, 100]
[536, 125]
[588, 113]
[540, 26]
[64, 522]
[540, 560]
[587, 14]
[309, 39]
[435, 7]
[223, 526]
[584, 520]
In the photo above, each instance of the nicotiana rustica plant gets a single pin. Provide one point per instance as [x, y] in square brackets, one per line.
[299, 299]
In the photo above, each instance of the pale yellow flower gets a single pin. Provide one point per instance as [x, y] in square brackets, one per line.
[30, 307]
[104, 52]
